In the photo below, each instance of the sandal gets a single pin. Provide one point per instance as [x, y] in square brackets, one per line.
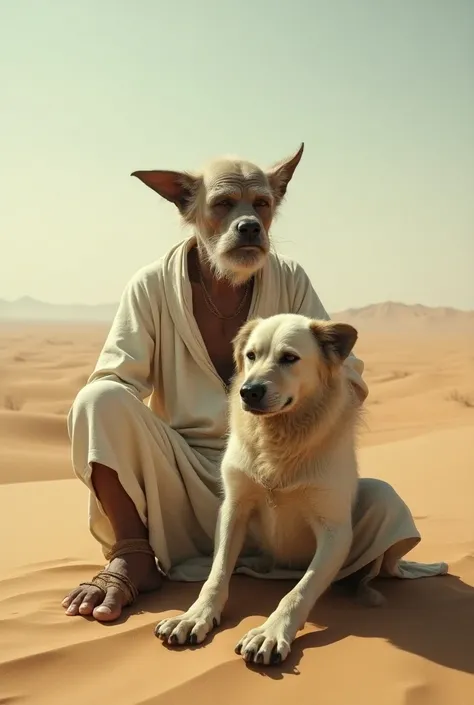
[109, 578]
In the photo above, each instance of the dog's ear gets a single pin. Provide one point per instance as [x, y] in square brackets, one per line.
[176, 186]
[240, 341]
[336, 340]
[280, 174]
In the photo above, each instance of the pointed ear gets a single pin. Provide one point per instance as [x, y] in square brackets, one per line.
[336, 340]
[241, 340]
[280, 174]
[176, 186]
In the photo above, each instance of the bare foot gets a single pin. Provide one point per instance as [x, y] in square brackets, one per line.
[86, 600]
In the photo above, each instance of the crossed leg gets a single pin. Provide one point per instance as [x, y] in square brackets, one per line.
[150, 496]
[136, 569]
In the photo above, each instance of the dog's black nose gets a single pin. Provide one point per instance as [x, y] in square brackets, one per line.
[252, 394]
[249, 229]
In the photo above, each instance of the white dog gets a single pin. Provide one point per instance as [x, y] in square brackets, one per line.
[289, 473]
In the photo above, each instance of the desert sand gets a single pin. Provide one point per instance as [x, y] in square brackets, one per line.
[418, 649]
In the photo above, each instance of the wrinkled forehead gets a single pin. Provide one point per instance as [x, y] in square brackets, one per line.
[271, 337]
[235, 177]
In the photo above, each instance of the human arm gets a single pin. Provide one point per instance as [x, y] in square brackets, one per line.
[129, 350]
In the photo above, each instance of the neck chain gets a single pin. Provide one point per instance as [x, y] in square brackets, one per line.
[213, 308]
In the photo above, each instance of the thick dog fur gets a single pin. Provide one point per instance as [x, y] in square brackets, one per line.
[289, 475]
[219, 201]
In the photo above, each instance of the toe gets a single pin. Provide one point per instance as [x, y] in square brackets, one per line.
[268, 653]
[275, 658]
[164, 628]
[260, 649]
[280, 652]
[73, 608]
[72, 596]
[249, 655]
[200, 631]
[111, 607]
[251, 648]
[91, 599]
[181, 632]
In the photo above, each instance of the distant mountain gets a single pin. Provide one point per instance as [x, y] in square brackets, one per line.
[395, 314]
[29, 309]
[386, 314]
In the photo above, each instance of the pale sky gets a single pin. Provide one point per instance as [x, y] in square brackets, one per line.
[381, 92]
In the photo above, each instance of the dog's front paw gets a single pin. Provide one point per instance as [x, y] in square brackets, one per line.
[268, 645]
[191, 628]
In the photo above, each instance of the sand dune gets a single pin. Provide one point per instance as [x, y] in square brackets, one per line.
[416, 650]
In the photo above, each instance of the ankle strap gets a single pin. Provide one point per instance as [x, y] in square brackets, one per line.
[124, 546]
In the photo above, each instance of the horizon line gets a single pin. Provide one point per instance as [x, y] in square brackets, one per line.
[34, 300]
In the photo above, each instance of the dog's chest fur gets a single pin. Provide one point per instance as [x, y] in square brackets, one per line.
[282, 530]
[319, 489]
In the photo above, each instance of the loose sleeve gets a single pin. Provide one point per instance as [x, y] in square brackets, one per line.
[129, 350]
[307, 303]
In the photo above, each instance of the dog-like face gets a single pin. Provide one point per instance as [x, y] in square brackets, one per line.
[231, 203]
[286, 359]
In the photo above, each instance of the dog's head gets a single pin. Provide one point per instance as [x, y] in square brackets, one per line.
[287, 359]
[231, 204]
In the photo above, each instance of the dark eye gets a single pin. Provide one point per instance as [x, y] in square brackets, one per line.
[289, 359]
[261, 203]
[225, 203]
[250, 355]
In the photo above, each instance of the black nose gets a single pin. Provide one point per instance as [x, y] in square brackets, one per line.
[249, 229]
[252, 394]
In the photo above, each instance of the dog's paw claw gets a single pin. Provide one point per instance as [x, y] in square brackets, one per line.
[190, 628]
[275, 658]
[265, 645]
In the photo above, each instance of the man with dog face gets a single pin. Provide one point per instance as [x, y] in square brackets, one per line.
[153, 468]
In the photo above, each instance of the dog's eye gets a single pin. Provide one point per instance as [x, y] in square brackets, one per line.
[261, 203]
[250, 355]
[288, 359]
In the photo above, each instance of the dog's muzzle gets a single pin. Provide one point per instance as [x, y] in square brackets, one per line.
[253, 395]
[249, 232]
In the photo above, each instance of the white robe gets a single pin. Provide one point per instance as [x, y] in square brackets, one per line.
[167, 450]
